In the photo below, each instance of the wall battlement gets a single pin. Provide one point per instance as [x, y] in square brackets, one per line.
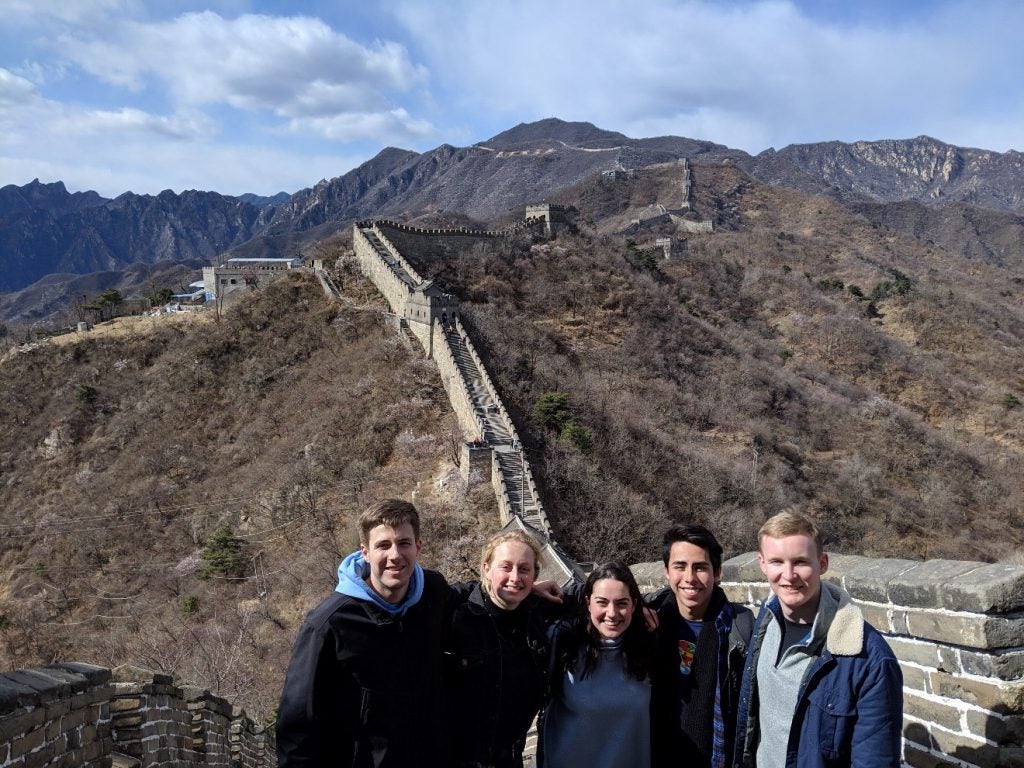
[75, 714]
[957, 629]
[520, 226]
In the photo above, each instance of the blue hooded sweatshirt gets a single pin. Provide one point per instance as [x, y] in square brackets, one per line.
[352, 574]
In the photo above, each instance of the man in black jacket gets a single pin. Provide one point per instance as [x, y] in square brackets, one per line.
[703, 641]
[363, 687]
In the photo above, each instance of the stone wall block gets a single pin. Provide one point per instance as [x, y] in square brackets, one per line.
[840, 566]
[968, 749]
[923, 585]
[25, 744]
[59, 707]
[96, 676]
[737, 593]
[125, 703]
[870, 579]
[972, 630]
[1008, 665]
[898, 620]
[989, 588]
[1005, 698]
[915, 678]
[18, 725]
[877, 616]
[47, 688]
[650, 577]
[907, 649]
[949, 659]
[937, 712]
[742, 568]
[128, 673]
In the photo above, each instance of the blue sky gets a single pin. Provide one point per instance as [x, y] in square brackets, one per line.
[256, 96]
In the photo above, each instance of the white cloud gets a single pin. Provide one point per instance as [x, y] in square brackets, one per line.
[395, 126]
[746, 74]
[15, 89]
[73, 12]
[298, 68]
[127, 120]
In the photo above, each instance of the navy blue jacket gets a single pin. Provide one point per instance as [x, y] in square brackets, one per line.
[849, 711]
[364, 687]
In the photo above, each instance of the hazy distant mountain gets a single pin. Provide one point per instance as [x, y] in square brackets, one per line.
[262, 202]
[44, 229]
[921, 169]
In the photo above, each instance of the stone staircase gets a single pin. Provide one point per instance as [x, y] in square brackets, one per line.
[508, 453]
[385, 254]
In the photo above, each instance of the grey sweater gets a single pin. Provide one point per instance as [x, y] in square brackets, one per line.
[778, 685]
[600, 721]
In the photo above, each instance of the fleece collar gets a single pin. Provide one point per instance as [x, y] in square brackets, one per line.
[838, 619]
[846, 632]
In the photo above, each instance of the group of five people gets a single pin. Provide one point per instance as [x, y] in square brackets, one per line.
[398, 668]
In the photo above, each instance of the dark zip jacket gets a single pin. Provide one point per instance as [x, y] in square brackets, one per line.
[364, 687]
[734, 620]
[495, 672]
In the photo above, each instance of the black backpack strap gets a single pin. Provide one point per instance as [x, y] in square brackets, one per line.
[742, 627]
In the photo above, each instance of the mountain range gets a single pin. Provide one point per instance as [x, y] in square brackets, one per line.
[47, 231]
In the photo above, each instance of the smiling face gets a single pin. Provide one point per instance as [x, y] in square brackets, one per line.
[391, 553]
[793, 567]
[692, 579]
[611, 608]
[510, 574]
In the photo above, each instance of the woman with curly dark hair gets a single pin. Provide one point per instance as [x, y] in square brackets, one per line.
[598, 715]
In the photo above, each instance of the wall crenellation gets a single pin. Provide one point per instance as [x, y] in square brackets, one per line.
[84, 715]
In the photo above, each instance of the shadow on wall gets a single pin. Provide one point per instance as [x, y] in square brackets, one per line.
[938, 747]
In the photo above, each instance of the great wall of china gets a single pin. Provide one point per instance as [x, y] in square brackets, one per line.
[956, 627]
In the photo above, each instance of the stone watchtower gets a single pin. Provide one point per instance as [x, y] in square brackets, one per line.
[554, 216]
[427, 303]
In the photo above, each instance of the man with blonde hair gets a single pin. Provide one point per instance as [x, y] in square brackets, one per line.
[821, 688]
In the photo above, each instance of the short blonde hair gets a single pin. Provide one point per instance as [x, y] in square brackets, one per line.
[791, 522]
[501, 538]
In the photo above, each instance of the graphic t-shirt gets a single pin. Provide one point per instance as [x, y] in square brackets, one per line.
[689, 631]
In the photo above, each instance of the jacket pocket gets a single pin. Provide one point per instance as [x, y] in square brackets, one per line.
[835, 716]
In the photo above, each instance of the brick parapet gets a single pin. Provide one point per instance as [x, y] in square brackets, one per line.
[373, 265]
[386, 242]
[520, 226]
[957, 629]
[455, 385]
[84, 715]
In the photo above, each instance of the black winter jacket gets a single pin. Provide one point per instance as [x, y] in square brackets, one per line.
[363, 687]
[495, 673]
[668, 738]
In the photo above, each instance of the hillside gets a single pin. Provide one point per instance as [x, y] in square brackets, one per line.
[801, 354]
[124, 454]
